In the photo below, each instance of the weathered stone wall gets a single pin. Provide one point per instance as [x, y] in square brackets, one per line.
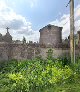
[23, 52]
[29, 51]
[51, 35]
[57, 52]
[4, 51]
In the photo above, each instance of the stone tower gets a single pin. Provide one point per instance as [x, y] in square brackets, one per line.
[51, 35]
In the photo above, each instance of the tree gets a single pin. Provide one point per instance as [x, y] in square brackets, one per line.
[24, 40]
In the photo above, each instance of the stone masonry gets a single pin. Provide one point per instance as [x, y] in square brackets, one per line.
[50, 37]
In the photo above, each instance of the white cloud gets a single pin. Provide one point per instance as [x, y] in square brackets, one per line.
[77, 10]
[32, 3]
[19, 26]
[65, 23]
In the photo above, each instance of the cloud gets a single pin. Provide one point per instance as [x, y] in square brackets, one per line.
[77, 10]
[19, 26]
[33, 3]
[64, 22]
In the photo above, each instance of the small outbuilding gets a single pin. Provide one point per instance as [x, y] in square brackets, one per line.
[51, 35]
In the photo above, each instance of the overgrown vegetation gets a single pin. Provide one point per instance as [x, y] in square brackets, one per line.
[38, 75]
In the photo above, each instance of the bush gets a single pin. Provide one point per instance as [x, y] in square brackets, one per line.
[39, 75]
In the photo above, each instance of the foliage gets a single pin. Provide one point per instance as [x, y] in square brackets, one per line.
[24, 40]
[50, 54]
[39, 75]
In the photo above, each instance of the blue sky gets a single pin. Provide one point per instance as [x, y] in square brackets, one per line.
[26, 17]
[40, 12]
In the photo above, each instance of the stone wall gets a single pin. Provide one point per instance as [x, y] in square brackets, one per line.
[4, 51]
[29, 51]
[57, 52]
[51, 35]
[25, 51]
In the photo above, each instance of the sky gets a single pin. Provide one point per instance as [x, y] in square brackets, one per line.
[26, 17]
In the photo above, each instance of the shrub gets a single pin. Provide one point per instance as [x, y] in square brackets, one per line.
[50, 54]
[39, 75]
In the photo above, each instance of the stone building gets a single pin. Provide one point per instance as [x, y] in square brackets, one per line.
[51, 35]
[5, 46]
[6, 38]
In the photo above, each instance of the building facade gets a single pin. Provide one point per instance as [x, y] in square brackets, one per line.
[51, 35]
